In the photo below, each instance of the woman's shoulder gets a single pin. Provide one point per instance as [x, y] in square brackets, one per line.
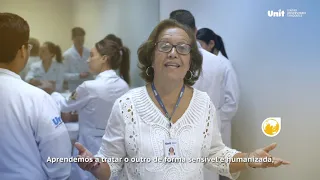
[201, 94]
[58, 64]
[36, 64]
[127, 100]
[204, 99]
[141, 93]
[133, 93]
[201, 100]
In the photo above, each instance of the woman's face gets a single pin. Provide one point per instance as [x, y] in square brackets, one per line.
[95, 61]
[206, 46]
[172, 62]
[171, 150]
[45, 54]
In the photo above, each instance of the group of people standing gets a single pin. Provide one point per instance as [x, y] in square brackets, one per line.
[190, 97]
[64, 71]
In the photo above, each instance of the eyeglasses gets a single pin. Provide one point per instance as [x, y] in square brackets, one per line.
[167, 47]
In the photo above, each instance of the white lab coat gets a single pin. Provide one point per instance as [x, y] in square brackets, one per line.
[31, 60]
[76, 64]
[55, 73]
[218, 79]
[229, 99]
[93, 100]
[31, 131]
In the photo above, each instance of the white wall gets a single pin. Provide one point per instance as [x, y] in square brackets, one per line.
[97, 17]
[279, 72]
[137, 20]
[48, 20]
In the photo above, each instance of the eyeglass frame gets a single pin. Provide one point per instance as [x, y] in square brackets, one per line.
[173, 46]
[29, 46]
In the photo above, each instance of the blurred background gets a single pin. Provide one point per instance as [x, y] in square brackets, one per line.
[276, 60]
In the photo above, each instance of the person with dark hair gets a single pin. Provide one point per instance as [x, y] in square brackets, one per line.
[93, 99]
[49, 69]
[124, 69]
[32, 132]
[75, 59]
[211, 42]
[219, 80]
[34, 56]
[167, 112]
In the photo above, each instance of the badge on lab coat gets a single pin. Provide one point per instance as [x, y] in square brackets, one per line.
[171, 148]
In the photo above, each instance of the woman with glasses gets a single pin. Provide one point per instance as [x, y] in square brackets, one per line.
[147, 121]
[49, 70]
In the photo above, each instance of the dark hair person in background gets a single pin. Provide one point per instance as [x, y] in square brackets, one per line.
[75, 60]
[93, 99]
[49, 69]
[125, 65]
[31, 128]
[211, 42]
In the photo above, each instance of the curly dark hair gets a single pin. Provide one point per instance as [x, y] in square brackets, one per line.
[147, 49]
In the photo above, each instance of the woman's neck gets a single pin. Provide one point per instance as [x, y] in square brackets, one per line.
[104, 68]
[46, 64]
[215, 52]
[168, 89]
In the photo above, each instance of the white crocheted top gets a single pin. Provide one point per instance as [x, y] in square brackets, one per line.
[137, 129]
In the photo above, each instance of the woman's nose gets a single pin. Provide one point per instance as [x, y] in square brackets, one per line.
[173, 53]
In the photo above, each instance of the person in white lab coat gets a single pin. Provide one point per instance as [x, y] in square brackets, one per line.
[218, 79]
[32, 131]
[75, 59]
[49, 69]
[34, 56]
[93, 100]
[211, 42]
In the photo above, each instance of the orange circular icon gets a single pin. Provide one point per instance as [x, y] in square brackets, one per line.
[271, 126]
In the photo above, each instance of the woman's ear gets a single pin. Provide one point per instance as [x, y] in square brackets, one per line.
[211, 44]
[23, 51]
[105, 59]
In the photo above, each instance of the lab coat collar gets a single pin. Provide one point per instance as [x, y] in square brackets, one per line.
[10, 73]
[75, 51]
[73, 47]
[107, 73]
